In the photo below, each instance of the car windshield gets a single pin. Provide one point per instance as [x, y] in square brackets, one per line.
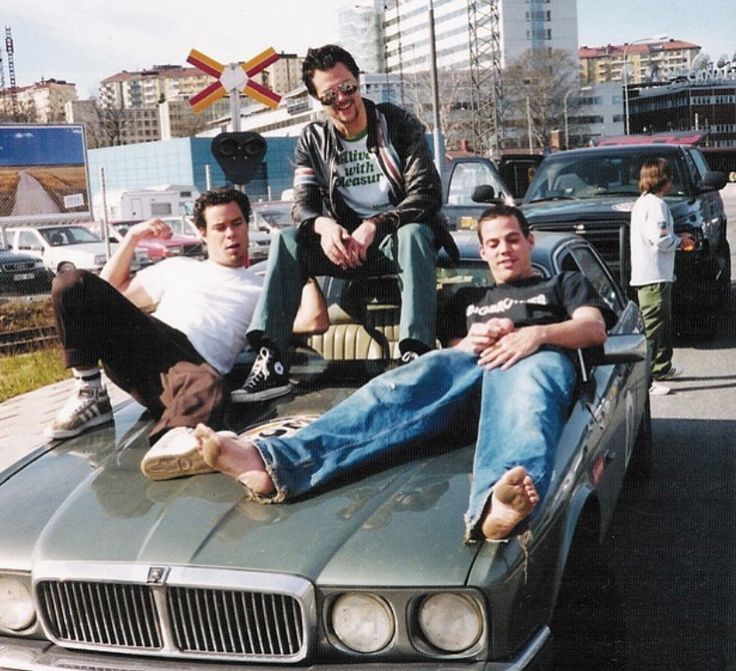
[59, 236]
[269, 218]
[596, 175]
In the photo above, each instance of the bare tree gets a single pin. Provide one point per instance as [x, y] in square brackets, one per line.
[455, 102]
[535, 89]
[17, 111]
[106, 127]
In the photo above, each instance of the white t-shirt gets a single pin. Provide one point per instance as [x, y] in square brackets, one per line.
[653, 241]
[360, 179]
[210, 303]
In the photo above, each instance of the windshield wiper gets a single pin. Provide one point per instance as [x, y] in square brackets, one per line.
[558, 197]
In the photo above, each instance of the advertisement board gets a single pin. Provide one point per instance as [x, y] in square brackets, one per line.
[43, 173]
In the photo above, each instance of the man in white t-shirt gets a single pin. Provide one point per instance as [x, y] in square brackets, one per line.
[172, 361]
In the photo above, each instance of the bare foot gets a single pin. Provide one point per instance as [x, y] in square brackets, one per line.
[513, 499]
[239, 460]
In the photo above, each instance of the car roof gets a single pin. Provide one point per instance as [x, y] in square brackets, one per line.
[616, 149]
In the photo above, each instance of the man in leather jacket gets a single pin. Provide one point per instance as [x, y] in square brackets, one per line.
[367, 200]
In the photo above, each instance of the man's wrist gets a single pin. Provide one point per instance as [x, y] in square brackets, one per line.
[385, 221]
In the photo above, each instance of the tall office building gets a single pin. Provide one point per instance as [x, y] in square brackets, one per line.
[522, 25]
[361, 32]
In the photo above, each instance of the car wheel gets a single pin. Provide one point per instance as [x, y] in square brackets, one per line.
[640, 466]
[587, 624]
[66, 266]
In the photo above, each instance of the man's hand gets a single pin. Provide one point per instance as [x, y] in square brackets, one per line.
[342, 248]
[151, 228]
[482, 336]
[507, 350]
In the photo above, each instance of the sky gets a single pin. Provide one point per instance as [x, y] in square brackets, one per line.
[84, 41]
[47, 145]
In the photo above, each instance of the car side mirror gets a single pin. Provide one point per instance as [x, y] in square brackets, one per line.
[483, 193]
[713, 180]
[624, 348]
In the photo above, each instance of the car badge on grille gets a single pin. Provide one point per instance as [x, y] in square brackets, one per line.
[580, 229]
[157, 575]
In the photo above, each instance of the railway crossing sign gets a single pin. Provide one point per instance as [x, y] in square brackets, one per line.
[233, 79]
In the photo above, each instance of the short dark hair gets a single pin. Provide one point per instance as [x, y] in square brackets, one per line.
[654, 174]
[221, 196]
[503, 210]
[326, 58]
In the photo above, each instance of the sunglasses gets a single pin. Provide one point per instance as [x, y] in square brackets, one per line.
[329, 97]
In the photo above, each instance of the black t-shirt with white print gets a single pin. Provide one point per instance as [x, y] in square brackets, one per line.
[527, 302]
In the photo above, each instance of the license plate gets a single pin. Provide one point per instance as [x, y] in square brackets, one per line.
[19, 277]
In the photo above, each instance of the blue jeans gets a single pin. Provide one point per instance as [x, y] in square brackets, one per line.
[522, 413]
[294, 256]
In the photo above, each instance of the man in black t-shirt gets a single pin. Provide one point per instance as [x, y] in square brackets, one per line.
[514, 352]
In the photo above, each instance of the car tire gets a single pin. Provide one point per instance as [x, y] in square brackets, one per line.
[587, 629]
[65, 267]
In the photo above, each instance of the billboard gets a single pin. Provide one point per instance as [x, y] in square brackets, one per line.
[43, 173]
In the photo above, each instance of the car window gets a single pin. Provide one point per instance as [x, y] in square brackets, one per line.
[465, 177]
[584, 260]
[700, 162]
[28, 240]
[68, 235]
[595, 175]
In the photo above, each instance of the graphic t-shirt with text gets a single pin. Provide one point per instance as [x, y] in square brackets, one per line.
[360, 179]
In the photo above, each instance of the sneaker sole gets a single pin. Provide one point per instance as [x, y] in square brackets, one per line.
[178, 465]
[52, 434]
[240, 396]
[168, 467]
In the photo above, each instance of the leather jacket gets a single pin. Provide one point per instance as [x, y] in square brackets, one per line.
[398, 139]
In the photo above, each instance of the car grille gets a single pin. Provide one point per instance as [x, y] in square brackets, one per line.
[605, 236]
[179, 621]
[19, 266]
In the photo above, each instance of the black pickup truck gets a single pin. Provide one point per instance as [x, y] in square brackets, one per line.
[591, 192]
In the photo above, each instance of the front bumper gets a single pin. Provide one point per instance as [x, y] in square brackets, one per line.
[34, 655]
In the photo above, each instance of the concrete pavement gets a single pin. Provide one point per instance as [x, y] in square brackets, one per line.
[23, 418]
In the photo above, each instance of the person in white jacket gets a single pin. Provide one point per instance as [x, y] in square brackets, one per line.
[653, 247]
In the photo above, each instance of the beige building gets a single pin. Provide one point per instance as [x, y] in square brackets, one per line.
[44, 100]
[646, 61]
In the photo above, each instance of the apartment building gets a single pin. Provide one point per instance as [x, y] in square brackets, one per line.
[646, 61]
[45, 100]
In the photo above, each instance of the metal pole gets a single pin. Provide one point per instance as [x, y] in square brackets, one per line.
[626, 94]
[529, 122]
[207, 177]
[105, 227]
[564, 108]
[437, 142]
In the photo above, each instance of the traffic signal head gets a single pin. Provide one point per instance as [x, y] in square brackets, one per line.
[239, 154]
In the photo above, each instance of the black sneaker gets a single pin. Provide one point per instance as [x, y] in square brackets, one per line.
[267, 379]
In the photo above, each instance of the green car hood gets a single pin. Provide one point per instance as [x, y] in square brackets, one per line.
[87, 501]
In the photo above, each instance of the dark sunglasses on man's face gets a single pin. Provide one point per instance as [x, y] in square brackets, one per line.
[329, 97]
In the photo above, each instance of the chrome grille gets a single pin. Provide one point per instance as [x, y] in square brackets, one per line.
[101, 613]
[19, 266]
[235, 623]
[190, 612]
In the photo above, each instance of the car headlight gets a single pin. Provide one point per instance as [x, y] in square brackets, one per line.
[451, 622]
[16, 605]
[174, 251]
[38, 265]
[363, 622]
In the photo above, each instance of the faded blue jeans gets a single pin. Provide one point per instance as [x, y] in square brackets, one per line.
[294, 256]
[522, 413]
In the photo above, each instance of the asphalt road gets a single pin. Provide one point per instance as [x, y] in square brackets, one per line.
[31, 197]
[672, 544]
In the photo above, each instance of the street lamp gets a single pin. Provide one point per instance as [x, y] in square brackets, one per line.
[564, 107]
[643, 40]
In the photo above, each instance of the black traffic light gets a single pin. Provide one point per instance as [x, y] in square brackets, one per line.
[239, 154]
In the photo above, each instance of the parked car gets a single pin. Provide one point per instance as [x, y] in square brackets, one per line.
[102, 568]
[591, 192]
[22, 273]
[267, 218]
[161, 248]
[66, 246]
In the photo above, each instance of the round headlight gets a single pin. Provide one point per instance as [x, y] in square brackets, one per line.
[451, 622]
[363, 622]
[16, 604]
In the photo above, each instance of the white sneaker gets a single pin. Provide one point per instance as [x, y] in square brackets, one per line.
[175, 455]
[658, 390]
[87, 407]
